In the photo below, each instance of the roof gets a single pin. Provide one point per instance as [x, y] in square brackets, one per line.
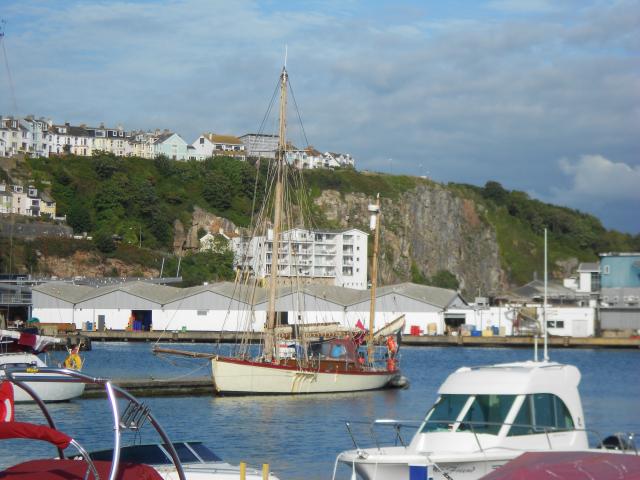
[512, 378]
[64, 291]
[440, 297]
[229, 139]
[535, 289]
[589, 267]
[339, 295]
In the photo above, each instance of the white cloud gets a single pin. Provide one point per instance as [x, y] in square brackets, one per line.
[598, 178]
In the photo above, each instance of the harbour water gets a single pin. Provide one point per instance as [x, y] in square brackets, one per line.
[300, 436]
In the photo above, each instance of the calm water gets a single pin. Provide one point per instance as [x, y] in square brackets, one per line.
[301, 436]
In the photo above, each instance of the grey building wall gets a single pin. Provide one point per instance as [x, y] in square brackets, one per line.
[620, 318]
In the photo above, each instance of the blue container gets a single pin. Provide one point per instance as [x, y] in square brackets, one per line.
[476, 333]
[89, 326]
[496, 330]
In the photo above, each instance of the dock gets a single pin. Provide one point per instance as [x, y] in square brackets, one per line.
[527, 342]
[410, 340]
[150, 387]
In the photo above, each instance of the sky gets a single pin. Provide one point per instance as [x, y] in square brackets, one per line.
[542, 96]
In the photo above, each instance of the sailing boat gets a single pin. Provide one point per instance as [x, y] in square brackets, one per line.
[300, 358]
[342, 368]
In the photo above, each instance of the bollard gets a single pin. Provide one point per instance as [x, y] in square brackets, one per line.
[265, 471]
[243, 471]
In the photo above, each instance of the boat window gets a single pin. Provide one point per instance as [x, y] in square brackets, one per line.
[541, 412]
[487, 413]
[184, 453]
[444, 413]
[203, 452]
[148, 454]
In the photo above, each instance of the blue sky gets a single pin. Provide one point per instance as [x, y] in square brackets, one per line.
[542, 96]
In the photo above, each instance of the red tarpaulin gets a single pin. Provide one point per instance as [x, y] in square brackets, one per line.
[34, 432]
[569, 466]
[6, 402]
[75, 470]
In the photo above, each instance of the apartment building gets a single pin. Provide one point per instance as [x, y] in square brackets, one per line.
[336, 257]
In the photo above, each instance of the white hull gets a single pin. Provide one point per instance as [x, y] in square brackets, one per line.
[234, 377]
[384, 468]
[47, 391]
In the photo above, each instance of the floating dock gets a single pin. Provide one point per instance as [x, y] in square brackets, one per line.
[412, 340]
[149, 387]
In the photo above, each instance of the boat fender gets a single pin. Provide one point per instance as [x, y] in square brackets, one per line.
[6, 402]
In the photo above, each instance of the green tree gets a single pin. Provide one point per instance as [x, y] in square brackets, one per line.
[79, 217]
[218, 191]
[104, 241]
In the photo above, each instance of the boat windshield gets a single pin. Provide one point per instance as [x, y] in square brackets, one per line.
[444, 413]
[487, 413]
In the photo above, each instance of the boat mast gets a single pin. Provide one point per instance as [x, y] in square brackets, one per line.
[375, 226]
[277, 218]
[545, 356]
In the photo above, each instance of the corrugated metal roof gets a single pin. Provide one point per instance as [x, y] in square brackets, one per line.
[535, 289]
[64, 291]
[440, 297]
[339, 295]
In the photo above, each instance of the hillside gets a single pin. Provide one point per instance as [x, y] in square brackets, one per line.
[481, 239]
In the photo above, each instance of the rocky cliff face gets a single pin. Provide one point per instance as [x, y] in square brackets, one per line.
[430, 227]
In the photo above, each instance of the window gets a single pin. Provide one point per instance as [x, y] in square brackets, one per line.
[487, 413]
[201, 140]
[541, 412]
[444, 413]
[202, 313]
[606, 270]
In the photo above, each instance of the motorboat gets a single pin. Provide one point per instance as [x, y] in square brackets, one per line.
[24, 349]
[162, 460]
[483, 418]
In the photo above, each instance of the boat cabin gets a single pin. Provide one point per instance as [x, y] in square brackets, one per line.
[532, 405]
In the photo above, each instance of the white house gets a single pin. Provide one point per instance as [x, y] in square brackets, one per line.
[170, 145]
[210, 145]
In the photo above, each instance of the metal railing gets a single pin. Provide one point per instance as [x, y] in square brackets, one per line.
[622, 441]
[15, 298]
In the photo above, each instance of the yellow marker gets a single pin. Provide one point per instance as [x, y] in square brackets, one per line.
[243, 471]
[265, 471]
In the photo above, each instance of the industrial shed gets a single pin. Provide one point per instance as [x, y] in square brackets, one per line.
[226, 306]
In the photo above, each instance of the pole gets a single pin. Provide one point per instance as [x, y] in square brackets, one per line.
[374, 277]
[140, 236]
[544, 307]
[269, 341]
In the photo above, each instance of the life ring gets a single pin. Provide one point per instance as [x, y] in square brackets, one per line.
[6, 402]
[392, 346]
[73, 362]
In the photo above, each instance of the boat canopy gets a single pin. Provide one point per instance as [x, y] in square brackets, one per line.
[514, 379]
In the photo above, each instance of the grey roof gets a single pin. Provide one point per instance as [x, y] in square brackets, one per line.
[162, 137]
[589, 267]
[339, 295]
[64, 291]
[163, 295]
[440, 297]
[535, 289]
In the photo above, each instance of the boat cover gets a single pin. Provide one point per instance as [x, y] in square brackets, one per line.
[569, 466]
[75, 470]
[34, 432]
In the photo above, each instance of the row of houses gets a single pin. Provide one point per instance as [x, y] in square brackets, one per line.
[41, 137]
[27, 201]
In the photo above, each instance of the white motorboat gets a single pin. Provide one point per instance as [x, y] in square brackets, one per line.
[21, 349]
[49, 391]
[483, 418]
[163, 460]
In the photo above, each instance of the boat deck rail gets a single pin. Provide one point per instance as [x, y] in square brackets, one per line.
[134, 416]
[622, 441]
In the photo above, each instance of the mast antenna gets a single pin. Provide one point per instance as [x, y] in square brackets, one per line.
[544, 306]
[286, 51]
[6, 64]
